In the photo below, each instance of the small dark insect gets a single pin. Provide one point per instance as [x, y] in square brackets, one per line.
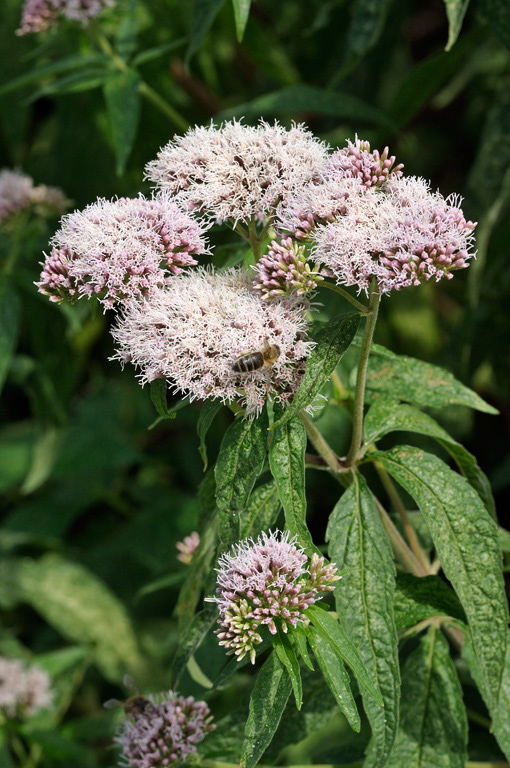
[134, 706]
[254, 361]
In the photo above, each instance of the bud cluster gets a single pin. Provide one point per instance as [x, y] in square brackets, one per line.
[187, 547]
[285, 270]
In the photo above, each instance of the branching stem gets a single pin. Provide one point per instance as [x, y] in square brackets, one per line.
[336, 288]
[321, 445]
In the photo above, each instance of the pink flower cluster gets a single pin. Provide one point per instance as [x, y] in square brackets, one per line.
[23, 690]
[187, 547]
[265, 582]
[284, 270]
[18, 193]
[238, 172]
[120, 250]
[39, 15]
[192, 332]
[166, 732]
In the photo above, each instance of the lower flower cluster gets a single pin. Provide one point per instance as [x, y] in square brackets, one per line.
[23, 690]
[266, 582]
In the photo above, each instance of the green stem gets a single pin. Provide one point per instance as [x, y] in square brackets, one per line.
[359, 398]
[336, 288]
[402, 551]
[478, 719]
[254, 240]
[496, 764]
[322, 447]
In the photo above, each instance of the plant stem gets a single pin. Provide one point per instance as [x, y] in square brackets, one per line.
[479, 719]
[322, 447]
[336, 288]
[253, 238]
[405, 555]
[359, 398]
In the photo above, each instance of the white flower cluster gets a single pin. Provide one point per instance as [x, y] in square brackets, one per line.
[23, 690]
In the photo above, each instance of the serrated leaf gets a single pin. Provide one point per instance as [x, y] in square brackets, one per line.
[203, 13]
[9, 325]
[336, 677]
[359, 544]
[206, 417]
[261, 511]
[455, 11]
[241, 14]
[82, 608]
[267, 703]
[331, 342]
[406, 378]
[335, 634]
[466, 542]
[417, 599]
[433, 723]
[240, 462]
[385, 416]
[287, 463]
[122, 96]
[287, 655]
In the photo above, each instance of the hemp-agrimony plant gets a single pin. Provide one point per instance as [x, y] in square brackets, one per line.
[246, 336]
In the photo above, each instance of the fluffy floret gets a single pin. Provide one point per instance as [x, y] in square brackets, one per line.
[192, 332]
[39, 15]
[167, 732]
[18, 193]
[285, 270]
[265, 582]
[238, 172]
[120, 250]
[404, 235]
[23, 690]
[187, 547]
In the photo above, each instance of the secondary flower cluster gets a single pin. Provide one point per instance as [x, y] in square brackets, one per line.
[18, 193]
[265, 582]
[167, 731]
[187, 547]
[285, 270]
[39, 15]
[23, 690]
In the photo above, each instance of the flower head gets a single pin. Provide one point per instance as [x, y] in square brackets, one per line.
[265, 582]
[23, 690]
[357, 161]
[285, 270]
[194, 330]
[18, 193]
[120, 250]
[403, 235]
[168, 731]
[39, 15]
[187, 547]
[238, 172]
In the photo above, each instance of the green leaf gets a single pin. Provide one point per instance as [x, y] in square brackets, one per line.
[417, 599]
[76, 61]
[287, 655]
[331, 342]
[158, 390]
[336, 676]
[406, 378]
[240, 462]
[203, 13]
[387, 416]
[433, 723]
[367, 22]
[455, 11]
[490, 168]
[126, 32]
[82, 608]
[287, 463]
[300, 637]
[191, 641]
[497, 13]
[199, 567]
[267, 703]
[466, 542]
[206, 417]
[9, 325]
[241, 14]
[76, 82]
[261, 511]
[335, 634]
[122, 96]
[359, 545]
[306, 98]
[158, 50]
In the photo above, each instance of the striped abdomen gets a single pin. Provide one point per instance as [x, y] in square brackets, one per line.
[253, 361]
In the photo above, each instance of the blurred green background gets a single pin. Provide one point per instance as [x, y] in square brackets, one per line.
[92, 500]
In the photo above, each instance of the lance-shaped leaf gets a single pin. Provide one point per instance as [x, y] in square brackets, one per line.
[122, 96]
[466, 542]
[417, 599]
[359, 545]
[455, 10]
[261, 511]
[267, 702]
[203, 13]
[209, 410]
[414, 381]
[9, 322]
[287, 655]
[336, 676]
[158, 390]
[197, 630]
[387, 416]
[198, 569]
[240, 462]
[334, 633]
[241, 14]
[331, 341]
[433, 723]
[287, 463]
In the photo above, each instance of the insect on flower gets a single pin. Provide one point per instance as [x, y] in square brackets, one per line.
[254, 361]
[135, 705]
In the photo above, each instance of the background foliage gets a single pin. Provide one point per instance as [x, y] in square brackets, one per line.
[93, 500]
